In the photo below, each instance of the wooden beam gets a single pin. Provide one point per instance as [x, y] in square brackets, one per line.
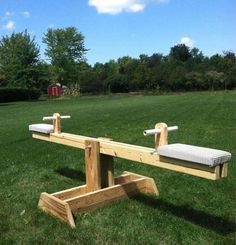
[107, 168]
[224, 170]
[79, 199]
[57, 123]
[72, 192]
[150, 184]
[134, 153]
[103, 196]
[92, 161]
[162, 138]
[190, 168]
[56, 207]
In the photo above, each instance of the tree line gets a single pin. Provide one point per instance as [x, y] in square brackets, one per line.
[183, 69]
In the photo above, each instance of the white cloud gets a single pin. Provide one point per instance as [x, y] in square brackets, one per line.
[26, 14]
[136, 7]
[10, 25]
[116, 7]
[187, 41]
[8, 14]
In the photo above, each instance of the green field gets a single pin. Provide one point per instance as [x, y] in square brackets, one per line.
[189, 210]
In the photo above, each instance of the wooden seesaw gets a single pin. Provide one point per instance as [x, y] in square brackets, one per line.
[102, 187]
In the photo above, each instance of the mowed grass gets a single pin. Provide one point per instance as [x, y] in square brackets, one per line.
[189, 210]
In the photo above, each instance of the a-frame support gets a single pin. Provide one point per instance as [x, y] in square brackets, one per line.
[101, 187]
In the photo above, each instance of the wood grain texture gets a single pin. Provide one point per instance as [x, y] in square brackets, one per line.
[57, 123]
[62, 204]
[92, 161]
[56, 207]
[69, 193]
[103, 196]
[107, 167]
[134, 153]
[107, 170]
[162, 138]
[151, 186]
[224, 170]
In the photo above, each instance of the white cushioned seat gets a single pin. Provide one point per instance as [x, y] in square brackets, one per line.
[41, 128]
[202, 155]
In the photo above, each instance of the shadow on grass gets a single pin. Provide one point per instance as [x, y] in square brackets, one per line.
[198, 217]
[71, 173]
[208, 221]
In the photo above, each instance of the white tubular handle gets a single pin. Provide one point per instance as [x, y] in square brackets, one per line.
[64, 117]
[48, 118]
[54, 118]
[158, 131]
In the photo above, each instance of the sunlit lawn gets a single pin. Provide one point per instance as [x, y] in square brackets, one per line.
[190, 210]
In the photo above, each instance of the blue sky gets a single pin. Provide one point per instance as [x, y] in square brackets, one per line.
[113, 29]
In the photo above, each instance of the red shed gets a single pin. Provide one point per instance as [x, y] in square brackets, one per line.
[54, 90]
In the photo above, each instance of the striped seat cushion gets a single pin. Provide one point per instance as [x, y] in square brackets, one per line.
[202, 155]
[41, 128]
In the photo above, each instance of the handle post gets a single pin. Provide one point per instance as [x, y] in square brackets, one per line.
[56, 117]
[162, 138]
[57, 123]
[161, 133]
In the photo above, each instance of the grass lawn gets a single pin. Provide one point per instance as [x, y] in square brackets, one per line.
[190, 210]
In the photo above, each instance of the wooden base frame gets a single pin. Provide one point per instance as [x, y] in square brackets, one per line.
[65, 204]
[101, 186]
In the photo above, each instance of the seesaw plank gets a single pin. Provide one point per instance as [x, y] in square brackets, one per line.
[134, 153]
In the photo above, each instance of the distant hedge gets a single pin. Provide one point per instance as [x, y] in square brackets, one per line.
[18, 94]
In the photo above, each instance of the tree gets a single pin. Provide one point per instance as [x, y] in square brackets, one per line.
[180, 52]
[194, 63]
[65, 49]
[195, 81]
[177, 78]
[229, 69]
[214, 79]
[155, 60]
[19, 56]
[44, 76]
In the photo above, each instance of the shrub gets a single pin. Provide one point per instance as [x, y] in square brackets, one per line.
[18, 94]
